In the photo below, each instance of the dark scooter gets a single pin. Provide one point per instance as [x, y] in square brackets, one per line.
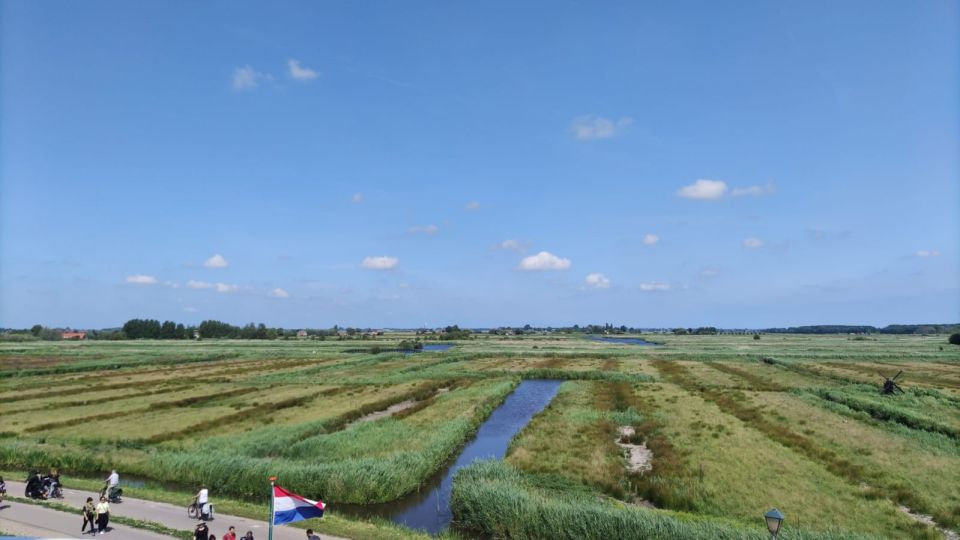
[114, 495]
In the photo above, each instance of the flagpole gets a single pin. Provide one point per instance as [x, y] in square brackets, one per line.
[273, 479]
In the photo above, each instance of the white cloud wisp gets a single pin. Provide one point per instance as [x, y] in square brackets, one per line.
[543, 261]
[704, 190]
[217, 261]
[140, 279]
[299, 72]
[380, 263]
[588, 128]
[597, 280]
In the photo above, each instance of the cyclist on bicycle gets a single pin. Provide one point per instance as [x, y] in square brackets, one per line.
[202, 500]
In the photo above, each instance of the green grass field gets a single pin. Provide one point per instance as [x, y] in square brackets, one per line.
[736, 426]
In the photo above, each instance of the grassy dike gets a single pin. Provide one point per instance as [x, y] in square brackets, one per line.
[331, 524]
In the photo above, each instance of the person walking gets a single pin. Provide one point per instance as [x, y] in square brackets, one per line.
[248, 536]
[231, 534]
[89, 512]
[201, 532]
[103, 515]
[311, 536]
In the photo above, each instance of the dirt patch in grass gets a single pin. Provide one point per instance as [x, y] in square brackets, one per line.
[928, 520]
[639, 457]
[24, 362]
[551, 363]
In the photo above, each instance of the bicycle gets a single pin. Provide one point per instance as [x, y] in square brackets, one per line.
[195, 512]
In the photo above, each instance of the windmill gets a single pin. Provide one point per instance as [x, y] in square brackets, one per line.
[890, 385]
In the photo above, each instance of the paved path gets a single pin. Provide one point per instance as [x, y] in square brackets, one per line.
[168, 515]
[30, 520]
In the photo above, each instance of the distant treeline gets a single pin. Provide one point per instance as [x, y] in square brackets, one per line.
[154, 329]
[889, 329]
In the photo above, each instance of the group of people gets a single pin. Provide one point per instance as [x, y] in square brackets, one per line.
[97, 515]
[44, 486]
[202, 532]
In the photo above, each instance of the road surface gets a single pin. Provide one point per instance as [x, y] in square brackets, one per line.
[165, 514]
[35, 521]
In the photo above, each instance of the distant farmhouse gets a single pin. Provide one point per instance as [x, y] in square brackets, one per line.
[70, 334]
[302, 334]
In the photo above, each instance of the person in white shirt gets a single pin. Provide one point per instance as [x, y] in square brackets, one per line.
[203, 501]
[111, 484]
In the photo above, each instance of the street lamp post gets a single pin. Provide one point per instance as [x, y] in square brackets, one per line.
[774, 519]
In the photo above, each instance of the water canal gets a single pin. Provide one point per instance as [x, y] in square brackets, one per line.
[429, 508]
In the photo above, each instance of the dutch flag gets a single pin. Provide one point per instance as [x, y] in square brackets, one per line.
[290, 507]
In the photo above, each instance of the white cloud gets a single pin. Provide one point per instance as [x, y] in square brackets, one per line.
[140, 279]
[380, 263]
[194, 284]
[357, 198]
[172, 284]
[225, 287]
[586, 128]
[654, 286]
[752, 243]
[921, 253]
[246, 78]
[704, 189]
[597, 281]
[190, 309]
[753, 190]
[279, 293]
[217, 261]
[709, 272]
[650, 239]
[299, 72]
[514, 245]
[544, 261]
[473, 205]
[428, 229]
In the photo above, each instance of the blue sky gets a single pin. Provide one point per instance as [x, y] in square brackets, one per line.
[398, 164]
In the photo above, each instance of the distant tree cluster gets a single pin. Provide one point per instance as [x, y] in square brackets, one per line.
[889, 329]
[454, 332]
[154, 329]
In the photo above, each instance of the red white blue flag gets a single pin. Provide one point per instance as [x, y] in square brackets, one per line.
[290, 507]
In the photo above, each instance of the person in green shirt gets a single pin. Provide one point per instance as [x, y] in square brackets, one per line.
[89, 512]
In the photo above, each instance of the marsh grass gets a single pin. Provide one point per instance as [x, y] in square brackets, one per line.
[716, 411]
[496, 500]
